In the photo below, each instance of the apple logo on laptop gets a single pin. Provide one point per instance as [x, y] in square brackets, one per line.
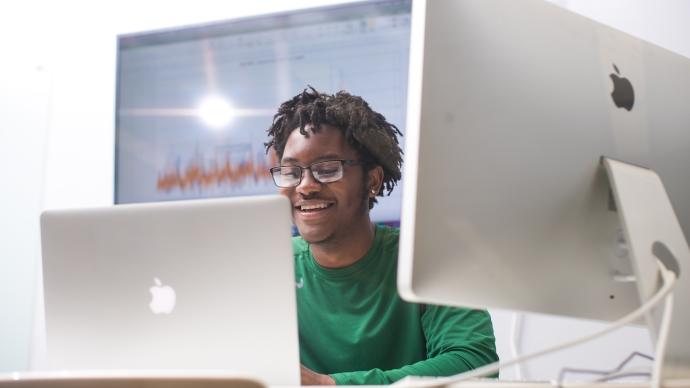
[162, 298]
[623, 94]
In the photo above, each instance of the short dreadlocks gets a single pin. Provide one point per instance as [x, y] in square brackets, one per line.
[366, 131]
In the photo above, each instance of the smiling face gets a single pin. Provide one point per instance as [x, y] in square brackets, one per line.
[328, 212]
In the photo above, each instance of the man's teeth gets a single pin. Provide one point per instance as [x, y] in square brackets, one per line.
[314, 206]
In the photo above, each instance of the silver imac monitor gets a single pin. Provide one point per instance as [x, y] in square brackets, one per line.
[511, 106]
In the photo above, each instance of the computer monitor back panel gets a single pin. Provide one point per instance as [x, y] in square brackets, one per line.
[505, 203]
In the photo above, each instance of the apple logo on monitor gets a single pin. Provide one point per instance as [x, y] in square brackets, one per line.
[623, 94]
[162, 298]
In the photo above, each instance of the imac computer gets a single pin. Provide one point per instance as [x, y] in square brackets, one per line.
[547, 158]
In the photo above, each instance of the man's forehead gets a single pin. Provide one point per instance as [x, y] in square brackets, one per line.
[311, 129]
[320, 158]
[327, 144]
[326, 136]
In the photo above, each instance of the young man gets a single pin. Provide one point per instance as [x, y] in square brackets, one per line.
[336, 155]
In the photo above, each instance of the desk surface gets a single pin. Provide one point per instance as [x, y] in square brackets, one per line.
[220, 380]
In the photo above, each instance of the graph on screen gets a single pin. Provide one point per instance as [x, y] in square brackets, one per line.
[233, 168]
[194, 103]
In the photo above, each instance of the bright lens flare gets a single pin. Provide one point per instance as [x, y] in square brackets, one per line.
[215, 111]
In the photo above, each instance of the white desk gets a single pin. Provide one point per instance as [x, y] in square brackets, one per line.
[177, 380]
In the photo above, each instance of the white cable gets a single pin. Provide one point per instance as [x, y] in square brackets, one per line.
[669, 282]
[515, 342]
[627, 373]
[662, 338]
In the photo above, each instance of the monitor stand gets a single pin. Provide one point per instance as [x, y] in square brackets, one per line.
[652, 231]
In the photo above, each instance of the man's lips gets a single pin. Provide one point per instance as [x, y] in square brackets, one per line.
[313, 206]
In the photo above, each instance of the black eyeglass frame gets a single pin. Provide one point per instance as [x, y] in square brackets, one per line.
[343, 163]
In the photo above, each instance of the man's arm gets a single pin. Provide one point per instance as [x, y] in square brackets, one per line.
[457, 340]
[309, 377]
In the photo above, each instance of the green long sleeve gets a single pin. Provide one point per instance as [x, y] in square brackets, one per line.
[458, 340]
[355, 327]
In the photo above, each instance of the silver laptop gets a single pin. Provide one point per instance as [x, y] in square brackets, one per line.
[206, 284]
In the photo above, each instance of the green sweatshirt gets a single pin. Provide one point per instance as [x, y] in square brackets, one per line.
[354, 326]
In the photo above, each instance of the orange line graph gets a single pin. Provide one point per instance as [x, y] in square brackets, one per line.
[226, 173]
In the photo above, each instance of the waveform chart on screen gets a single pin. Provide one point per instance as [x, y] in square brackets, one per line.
[232, 169]
[190, 169]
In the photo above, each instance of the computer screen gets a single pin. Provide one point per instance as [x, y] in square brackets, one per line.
[194, 103]
[505, 202]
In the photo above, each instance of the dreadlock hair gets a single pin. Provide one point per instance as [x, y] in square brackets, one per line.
[365, 130]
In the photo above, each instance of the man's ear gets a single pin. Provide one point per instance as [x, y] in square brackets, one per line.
[374, 181]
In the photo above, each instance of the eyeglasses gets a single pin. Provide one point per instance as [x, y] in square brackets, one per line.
[326, 171]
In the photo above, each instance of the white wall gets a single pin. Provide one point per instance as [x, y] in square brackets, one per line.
[24, 116]
[57, 77]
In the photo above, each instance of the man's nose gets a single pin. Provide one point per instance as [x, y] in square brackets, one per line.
[308, 184]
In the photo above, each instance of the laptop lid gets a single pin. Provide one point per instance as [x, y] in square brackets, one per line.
[205, 284]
